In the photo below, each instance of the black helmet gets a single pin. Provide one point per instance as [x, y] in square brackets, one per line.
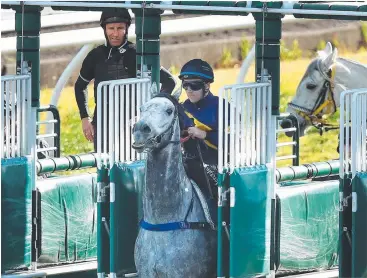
[197, 68]
[116, 16]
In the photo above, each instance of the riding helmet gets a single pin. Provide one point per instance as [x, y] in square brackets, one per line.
[197, 68]
[115, 16]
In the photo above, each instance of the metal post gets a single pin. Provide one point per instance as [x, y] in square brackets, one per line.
[268, 35]
[223, 226]
[148, 30]
[102, 224]
[28, 26]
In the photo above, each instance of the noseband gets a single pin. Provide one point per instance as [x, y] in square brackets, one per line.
[325, 100]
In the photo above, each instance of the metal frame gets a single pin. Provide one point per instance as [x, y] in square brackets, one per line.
[295, 139]
[18, 88]
[244, 110]
[57, 126]
[115, 93]
[352, 114]
[287, 9]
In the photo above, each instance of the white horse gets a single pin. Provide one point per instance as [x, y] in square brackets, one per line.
[177, 236]
[319, 91]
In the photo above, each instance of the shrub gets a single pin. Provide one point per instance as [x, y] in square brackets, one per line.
[226, 60]
[290, 54]
[244, 48]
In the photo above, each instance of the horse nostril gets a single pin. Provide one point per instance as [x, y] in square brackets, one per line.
[146, 129]
[286, 123]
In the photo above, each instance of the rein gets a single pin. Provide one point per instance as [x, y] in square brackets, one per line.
[180, 225]
[325, 100]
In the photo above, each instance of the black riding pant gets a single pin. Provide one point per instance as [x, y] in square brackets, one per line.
[205, 176]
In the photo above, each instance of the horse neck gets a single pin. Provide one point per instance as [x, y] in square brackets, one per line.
[166, 184]
[348, 75]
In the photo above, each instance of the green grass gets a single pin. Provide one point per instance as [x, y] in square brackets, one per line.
[313, 147]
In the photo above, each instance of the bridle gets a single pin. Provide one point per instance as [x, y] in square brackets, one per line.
[155, 142]
[324, 102]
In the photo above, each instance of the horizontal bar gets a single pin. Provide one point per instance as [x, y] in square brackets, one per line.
[284, 157]
[5, 78]
[188, 8]
[46, 149]
[40, 136]
[286, 129]
[307, 171]
[25, 275]
[66, 163]
[72, 4]
[46, 122]
[286, 144]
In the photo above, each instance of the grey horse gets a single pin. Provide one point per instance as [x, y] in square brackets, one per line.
[318, 93]
[178, 238]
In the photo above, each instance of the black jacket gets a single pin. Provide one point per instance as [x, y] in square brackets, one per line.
[110, 63]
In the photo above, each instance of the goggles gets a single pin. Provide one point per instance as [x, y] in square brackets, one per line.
[193, 85]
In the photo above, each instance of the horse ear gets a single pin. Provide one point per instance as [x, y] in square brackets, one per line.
[154, 89]
[329, 60]
[328, 48]
[326, 51]
[176, 94]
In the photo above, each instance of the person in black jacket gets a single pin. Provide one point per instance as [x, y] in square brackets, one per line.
[116, 59]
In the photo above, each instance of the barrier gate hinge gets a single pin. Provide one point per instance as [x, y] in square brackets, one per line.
[222, 197]
[354, 201]
[232, 197]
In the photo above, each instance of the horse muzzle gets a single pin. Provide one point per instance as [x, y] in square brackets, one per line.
[287, 123]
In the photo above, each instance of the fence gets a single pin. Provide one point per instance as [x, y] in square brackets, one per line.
[16, 103]
[245, 120]
[353, 131]
[121, 101]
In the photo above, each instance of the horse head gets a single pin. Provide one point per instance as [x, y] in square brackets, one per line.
[315, 95]
[159, 122]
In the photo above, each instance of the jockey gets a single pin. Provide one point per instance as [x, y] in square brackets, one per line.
[116, 59]
[201, 107]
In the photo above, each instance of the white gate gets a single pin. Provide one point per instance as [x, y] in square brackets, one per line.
[246, 162]
[17, 116]
[118, 110]
[249, 131]
[353, 131]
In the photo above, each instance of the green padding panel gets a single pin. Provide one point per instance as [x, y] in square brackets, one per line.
[250, 223]
[359, 227]
[130, 179]
[308, 225]
[16, 192]
[68, 214]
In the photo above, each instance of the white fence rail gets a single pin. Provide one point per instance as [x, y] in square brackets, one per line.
[246, 121]
[353, 131]
[15, 121]
[118, 110]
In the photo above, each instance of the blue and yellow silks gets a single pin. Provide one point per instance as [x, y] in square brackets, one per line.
[204, 115]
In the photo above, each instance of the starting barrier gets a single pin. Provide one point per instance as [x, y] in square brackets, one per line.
[121, 177]
[265, 214]
[353, 183]
[246, 177]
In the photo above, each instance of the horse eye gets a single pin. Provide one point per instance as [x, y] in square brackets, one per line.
[310, 86]
[169, 111]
